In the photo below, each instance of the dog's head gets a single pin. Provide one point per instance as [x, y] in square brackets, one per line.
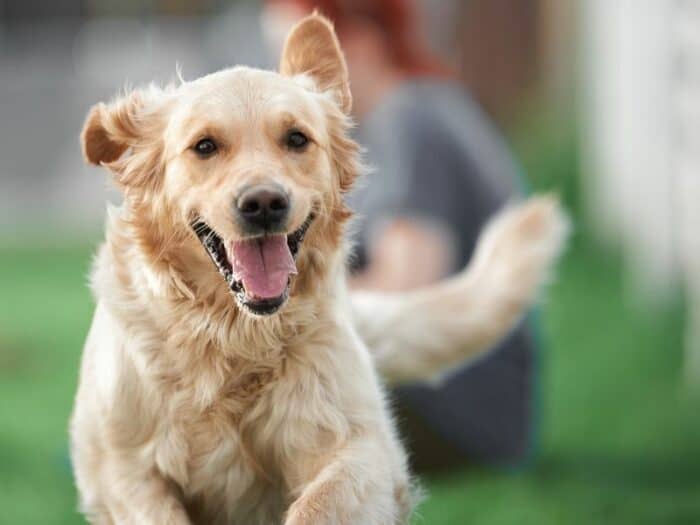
[251, 163]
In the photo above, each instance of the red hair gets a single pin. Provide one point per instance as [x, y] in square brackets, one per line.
[396, 19]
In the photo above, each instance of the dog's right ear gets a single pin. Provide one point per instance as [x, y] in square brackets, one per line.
[133, 122]
[110, 129]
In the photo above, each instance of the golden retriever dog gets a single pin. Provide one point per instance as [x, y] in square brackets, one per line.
[229, 377]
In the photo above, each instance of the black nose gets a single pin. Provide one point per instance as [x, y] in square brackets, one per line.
[263, 207]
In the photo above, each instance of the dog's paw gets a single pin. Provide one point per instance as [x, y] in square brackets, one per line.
[520, 245]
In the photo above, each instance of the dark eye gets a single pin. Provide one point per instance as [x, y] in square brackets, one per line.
[296, 140]
[205, 147]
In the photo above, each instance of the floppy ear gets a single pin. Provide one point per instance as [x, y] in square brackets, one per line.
[109, 130]
[112, 129]
[312, 48]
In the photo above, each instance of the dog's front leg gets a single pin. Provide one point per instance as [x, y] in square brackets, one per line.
[356, 486]
[136, 495]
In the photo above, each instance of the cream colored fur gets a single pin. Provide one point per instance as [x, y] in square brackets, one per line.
[190, 410]
[420, 335]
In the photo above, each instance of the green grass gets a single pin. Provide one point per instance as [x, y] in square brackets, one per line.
[620, 440]
[44, 314]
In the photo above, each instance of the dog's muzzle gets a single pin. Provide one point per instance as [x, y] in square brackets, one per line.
[259, 269]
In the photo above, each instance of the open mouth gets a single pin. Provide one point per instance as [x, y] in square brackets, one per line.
[258, 270]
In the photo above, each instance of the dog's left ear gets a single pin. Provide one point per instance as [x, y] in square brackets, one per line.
[312, 48]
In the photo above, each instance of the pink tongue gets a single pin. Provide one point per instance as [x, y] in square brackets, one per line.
[264, 265]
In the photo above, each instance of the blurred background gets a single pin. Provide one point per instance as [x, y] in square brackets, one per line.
[599, 101]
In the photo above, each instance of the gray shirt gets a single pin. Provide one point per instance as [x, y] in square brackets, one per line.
[434, 156]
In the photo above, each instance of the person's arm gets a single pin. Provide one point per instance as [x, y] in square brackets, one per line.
[414, 232]
[407, 252]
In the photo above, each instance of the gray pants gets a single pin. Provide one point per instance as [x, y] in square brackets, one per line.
[484, 413]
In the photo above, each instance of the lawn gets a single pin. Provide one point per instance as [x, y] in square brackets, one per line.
[620, 438]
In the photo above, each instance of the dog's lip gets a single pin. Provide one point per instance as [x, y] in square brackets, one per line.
[215, 247]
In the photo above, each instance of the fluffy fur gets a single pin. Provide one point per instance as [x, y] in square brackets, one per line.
[192, 410]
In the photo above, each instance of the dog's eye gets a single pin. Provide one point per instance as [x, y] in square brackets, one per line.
[296, 140]
[205, 147]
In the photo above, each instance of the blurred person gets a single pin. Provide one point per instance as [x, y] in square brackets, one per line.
[441, 171]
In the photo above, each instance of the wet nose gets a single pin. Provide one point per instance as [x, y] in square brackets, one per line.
[263, 207]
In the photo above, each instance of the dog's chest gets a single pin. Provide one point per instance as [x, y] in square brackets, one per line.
[203, 449]
[236, 451]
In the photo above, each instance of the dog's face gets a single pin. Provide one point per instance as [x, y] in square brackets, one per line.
[248, 161]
